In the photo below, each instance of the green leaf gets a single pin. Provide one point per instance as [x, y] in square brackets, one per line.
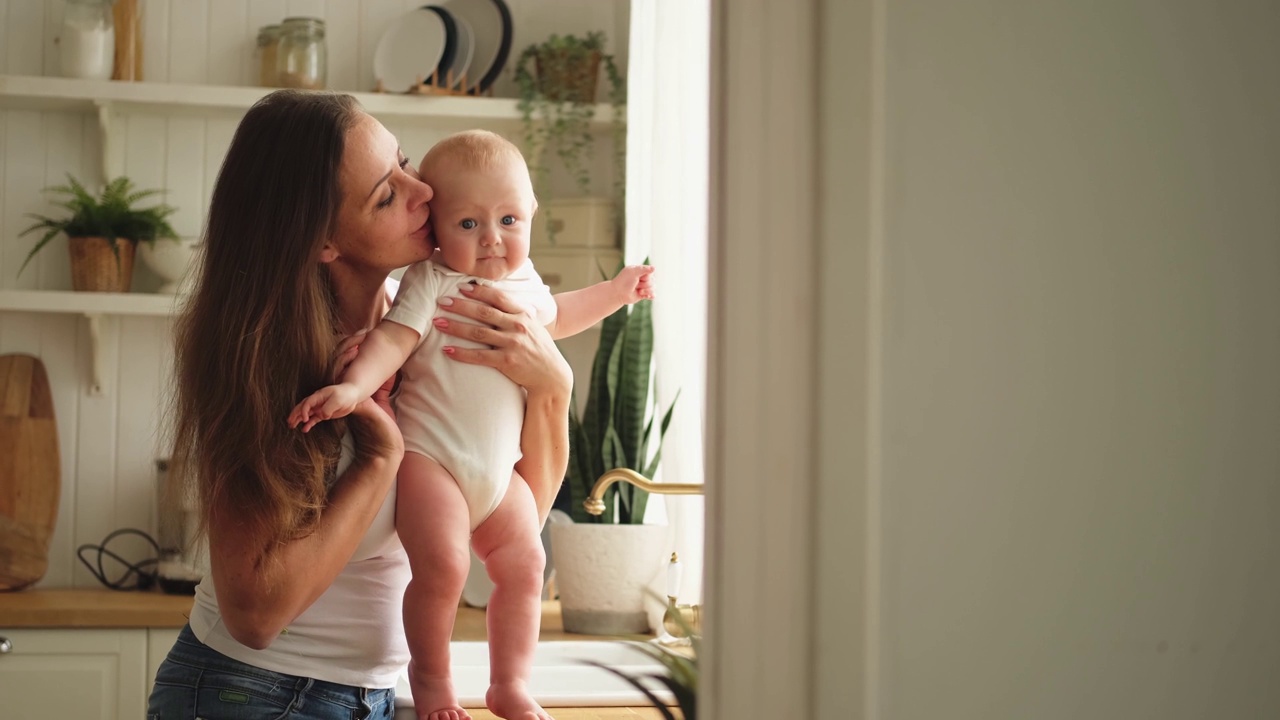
[662, 434]
[615, 429]
[111, 214]
[633, 390]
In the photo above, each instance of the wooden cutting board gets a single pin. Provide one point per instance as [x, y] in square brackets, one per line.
[30, 475]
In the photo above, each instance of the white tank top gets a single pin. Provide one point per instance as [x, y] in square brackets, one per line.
[354, 633]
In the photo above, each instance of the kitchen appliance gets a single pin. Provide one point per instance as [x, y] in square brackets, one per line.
[184, 558]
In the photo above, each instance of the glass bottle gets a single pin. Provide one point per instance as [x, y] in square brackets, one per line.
[302, 56]
[268, 45]
[87, 46]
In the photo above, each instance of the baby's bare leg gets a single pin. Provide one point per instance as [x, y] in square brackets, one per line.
[509, 544]
[433, 524]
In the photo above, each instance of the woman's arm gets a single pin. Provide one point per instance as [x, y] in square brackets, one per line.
[523, 351]
[263, 587]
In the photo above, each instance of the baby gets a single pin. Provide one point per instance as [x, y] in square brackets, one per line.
[462, 423]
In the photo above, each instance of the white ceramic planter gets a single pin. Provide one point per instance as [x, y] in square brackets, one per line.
[602, 572]
[171, 260]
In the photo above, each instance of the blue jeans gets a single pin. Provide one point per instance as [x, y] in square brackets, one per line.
[195, 681]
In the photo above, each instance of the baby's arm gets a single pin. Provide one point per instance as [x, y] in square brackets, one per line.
[383, 351]
[578, 310]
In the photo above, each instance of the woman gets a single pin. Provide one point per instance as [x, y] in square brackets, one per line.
[300, 614]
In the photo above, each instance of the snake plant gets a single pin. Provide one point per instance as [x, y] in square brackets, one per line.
[615, 429]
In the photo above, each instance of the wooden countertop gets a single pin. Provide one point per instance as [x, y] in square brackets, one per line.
[86, 608]
[80, 608]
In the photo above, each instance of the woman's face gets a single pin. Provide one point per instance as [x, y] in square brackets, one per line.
[382, 224]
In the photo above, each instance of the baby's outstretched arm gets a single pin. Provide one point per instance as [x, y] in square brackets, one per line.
[383, 351]
[578, 310]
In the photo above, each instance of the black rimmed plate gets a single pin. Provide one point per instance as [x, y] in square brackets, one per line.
[463, 41]
[490, 23]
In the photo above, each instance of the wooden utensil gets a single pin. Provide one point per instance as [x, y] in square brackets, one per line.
[29, 471]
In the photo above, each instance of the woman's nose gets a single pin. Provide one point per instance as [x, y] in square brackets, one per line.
[424, 191]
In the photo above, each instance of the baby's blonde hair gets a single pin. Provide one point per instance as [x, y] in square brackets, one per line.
[474, 150]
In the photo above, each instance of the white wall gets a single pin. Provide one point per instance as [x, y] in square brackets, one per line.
[109, 443]
[1081, 353]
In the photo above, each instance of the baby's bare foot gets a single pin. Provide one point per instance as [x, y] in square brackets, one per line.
[433, 698]
[512, 701]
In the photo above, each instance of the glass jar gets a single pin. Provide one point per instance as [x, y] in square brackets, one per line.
[302, 57]
[87, 46]
[268, 45]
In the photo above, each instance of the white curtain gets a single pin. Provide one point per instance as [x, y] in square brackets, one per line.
[668, 97]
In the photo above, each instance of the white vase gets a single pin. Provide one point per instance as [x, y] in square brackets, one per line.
[171, 260]
[602, 572]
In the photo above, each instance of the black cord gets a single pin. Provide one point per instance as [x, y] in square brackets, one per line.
[142, 573]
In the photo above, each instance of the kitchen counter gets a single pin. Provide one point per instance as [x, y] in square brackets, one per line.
[84, 608]
[79, 608]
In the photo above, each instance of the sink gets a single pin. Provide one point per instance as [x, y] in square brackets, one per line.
[561, 678]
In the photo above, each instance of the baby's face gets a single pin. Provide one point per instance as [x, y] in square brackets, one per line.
[482, 218]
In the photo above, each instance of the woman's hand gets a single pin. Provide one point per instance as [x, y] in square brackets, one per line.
[519, 347]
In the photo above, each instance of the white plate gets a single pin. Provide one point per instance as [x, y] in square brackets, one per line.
[464, 50]
[490, 23]
[409, 50]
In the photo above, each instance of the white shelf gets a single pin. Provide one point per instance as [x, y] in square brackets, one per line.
[92, 305]
[27, 92]
[87, 303]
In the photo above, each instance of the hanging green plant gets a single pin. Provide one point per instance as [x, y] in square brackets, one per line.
[557, 83]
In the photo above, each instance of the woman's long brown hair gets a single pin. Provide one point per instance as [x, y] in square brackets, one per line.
[259, 329]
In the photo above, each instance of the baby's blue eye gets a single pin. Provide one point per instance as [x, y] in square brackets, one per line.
[468, 224]
[508, 219]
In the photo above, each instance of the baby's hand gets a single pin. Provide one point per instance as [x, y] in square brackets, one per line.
[634, 283]
[327, 403]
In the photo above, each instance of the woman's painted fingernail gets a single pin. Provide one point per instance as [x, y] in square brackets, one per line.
[446, 301]
[440, 323]
[466, 287]
[448, 349]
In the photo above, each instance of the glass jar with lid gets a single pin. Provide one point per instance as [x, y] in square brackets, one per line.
[87, 45]
[268, 44]
[301, 58]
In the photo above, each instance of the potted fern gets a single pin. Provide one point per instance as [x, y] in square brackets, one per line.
[557, 83]
[102, 232]
[603, 561]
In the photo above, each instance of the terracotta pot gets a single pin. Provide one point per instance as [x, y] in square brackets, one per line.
[95, 267]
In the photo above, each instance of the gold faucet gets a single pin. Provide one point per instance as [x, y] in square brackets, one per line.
[595, 501]
[689, 625]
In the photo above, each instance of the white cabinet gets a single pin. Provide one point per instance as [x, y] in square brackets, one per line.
[82, 674]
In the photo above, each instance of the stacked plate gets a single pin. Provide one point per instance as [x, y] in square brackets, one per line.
[450, 40]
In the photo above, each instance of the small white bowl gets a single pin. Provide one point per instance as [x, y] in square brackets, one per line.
[170, 260]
